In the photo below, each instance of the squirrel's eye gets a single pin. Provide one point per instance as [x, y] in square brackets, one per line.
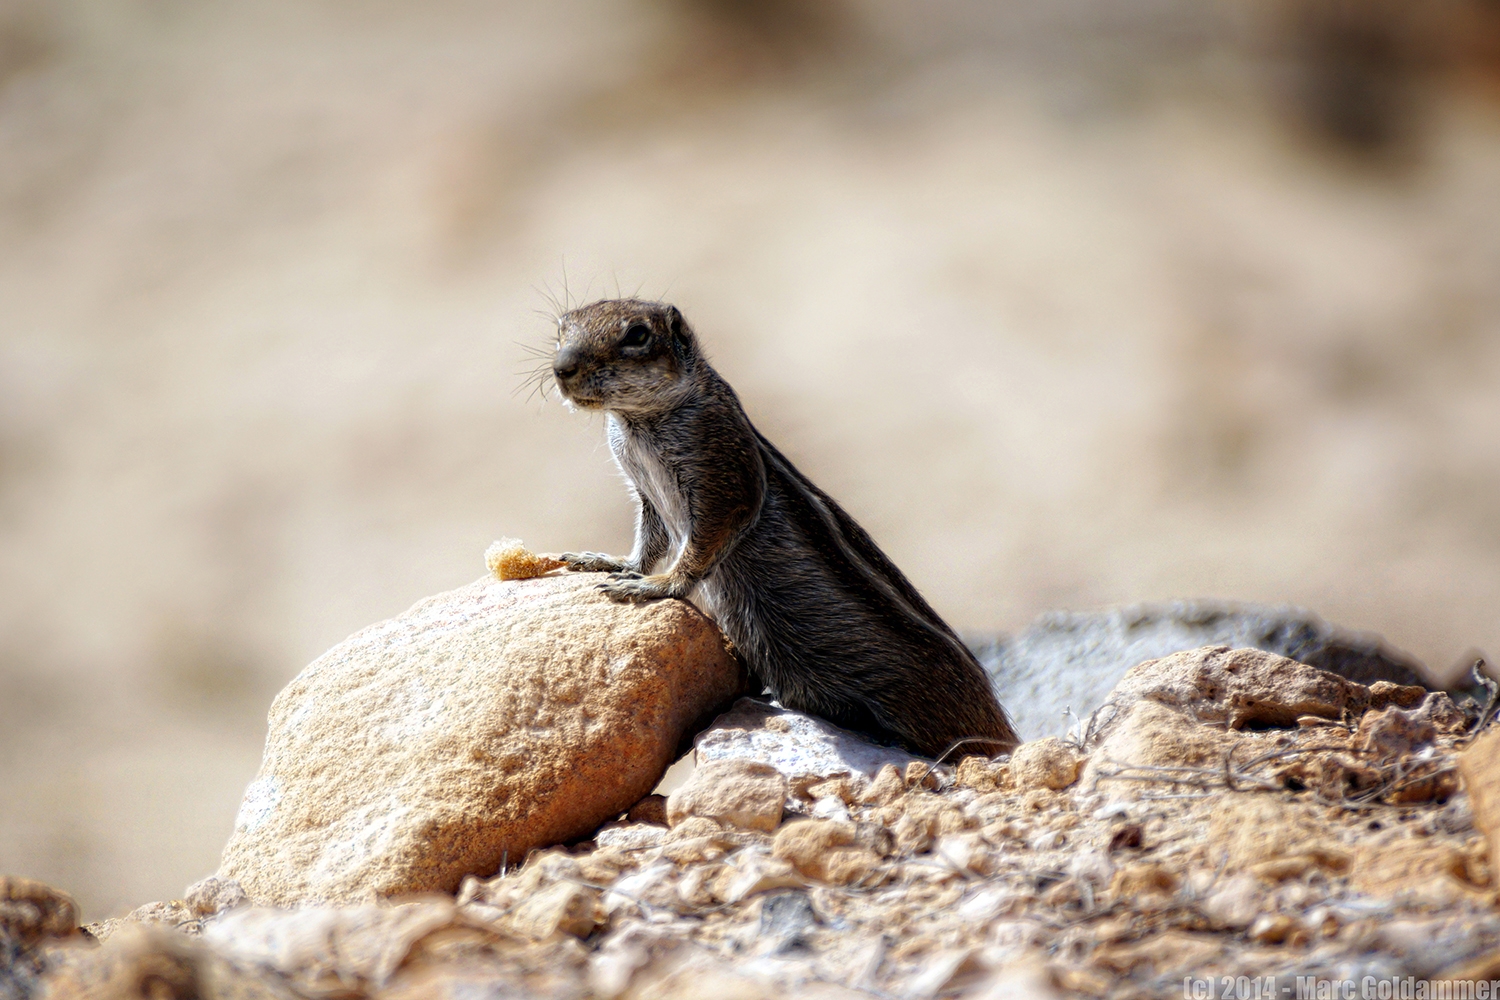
[636, 336]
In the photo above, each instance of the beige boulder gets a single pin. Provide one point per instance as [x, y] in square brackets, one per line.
[1155, 717]
[482, 723]
[1243, 687]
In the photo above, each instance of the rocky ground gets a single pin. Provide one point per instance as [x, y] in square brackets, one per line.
[1228, 822]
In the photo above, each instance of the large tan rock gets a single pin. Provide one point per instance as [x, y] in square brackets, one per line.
[1245, 687]
[480, 724]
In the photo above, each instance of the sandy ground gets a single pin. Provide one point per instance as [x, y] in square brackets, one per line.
[1067, 311]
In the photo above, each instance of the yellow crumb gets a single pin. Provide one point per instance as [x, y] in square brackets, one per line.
[508, 559]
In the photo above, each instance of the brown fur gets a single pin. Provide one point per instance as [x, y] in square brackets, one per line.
[816, 610]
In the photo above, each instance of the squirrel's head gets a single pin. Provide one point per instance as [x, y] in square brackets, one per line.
[626, 356]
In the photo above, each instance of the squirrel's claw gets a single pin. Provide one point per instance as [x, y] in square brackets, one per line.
[634, 588]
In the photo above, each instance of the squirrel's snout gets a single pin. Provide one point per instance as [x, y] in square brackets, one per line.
[565, 365]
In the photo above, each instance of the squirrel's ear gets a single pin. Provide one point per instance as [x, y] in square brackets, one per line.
[677, 327]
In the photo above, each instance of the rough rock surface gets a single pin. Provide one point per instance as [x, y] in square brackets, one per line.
[480, 724]
[1069, 661]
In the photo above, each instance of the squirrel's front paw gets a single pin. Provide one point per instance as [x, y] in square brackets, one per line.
[633, 587]
[592, 562]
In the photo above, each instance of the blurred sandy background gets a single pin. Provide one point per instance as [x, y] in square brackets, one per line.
[1072, 302]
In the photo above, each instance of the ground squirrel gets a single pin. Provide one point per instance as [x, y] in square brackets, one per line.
[817, 612]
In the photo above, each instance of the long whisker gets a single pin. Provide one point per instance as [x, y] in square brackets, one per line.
[546, 292]
[537, 381]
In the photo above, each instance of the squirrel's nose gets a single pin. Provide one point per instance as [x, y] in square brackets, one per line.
[565, 365]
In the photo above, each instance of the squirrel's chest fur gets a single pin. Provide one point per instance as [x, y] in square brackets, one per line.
[640, 460]
[644, 456]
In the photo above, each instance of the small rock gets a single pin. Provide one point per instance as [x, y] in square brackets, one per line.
[1273, 928]
[918, 819]
[920, 774]
[1148, 735]
[1143, 878]
[1045, 763]
[947, 972]
[651, 809]
[170, 912]
[643, 889]
[887, 787]
[754, 871]
[1233, 903]
[965, 852]
[1394, 731]
[785, 918]
[32, 911]
[982, 774]
[742, 793]
[691, 850]
[482, 723]
[826, 851]
[841, 788]
[631, 836]
[563, 907]
[988, 903]
[830, 808]
[212, 895]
